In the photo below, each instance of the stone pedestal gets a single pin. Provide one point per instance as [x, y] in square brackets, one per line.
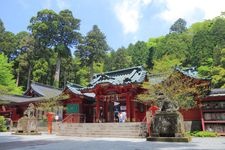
[168, 127]
[167, 124]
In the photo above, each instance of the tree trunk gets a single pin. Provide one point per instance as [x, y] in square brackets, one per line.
[18, 77]
[57, 72]
[65, 79]
[91, 70]
[29, 76]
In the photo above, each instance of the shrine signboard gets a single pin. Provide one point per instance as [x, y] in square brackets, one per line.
[72, 108]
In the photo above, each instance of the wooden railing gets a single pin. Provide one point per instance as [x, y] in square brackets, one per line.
[75, 118]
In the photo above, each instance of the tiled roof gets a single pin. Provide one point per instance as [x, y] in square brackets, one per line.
[119, 77]
[74, 85]
[191, 72]
[77, 92]
[73, 90]
[19, 99]
[217, 92]
[44, 90]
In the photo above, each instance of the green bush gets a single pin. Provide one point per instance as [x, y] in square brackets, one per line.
[202, 134]
[2, 124]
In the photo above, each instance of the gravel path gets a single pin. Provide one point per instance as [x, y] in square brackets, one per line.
[53, 142]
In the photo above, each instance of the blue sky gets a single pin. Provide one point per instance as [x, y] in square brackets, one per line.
[122, 21]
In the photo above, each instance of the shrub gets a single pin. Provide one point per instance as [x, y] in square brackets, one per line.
[202, 134]
[2, 124]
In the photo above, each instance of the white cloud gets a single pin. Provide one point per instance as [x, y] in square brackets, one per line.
[190, 8]
[129, 13]
[63, 4]
[59, 4]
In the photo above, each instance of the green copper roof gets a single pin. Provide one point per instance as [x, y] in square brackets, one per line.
[120, 77]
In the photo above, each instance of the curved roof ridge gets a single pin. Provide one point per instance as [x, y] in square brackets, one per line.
[120, 70]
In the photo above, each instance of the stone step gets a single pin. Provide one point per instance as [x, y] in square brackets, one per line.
[102, 136]
[101, 132]
[100, 129]
[99, 135]
[101, 125]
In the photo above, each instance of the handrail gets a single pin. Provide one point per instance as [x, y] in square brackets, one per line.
[144, 120]
[66, 117]
[71, 118]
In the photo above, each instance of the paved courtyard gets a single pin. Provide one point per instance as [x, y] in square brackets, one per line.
[53, 142]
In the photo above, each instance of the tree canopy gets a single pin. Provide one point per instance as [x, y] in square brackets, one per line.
[54, 52]
[7, 83]
[93, 48]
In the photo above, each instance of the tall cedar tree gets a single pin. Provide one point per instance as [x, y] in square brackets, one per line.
[56, 31]
[93, 48]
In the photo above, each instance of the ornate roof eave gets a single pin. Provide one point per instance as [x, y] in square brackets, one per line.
[109, 83]
[191, 75]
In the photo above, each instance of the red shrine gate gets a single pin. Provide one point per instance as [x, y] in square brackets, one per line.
[108, 94]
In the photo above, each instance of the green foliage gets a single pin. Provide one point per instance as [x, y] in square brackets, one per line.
[153, 42]
[183, 89]
[93, 48]
[40, 70]
[2, 124]
[49, 104]
[206, 68]
[98, 67]
[149, 61]
[34, 57]
[7, 83]
[165, 65]
[150, 93]
[77, 73]
[57, 31]
[179, 26]
[8, 44]
[2, 28]
[196, 27]
[118, 60]
[174, 44]
[218, 76]
[203, 134]
[138, 52]
[175, 87]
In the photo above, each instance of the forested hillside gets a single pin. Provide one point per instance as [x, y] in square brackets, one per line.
[54, 52]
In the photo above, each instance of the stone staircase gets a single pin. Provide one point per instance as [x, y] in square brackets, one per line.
[120, 130]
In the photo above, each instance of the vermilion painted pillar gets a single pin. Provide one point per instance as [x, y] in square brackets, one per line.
[133, 111]
[97, 108]
[202, 119]
[106, 110]
[128, 107]
[50, 117]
